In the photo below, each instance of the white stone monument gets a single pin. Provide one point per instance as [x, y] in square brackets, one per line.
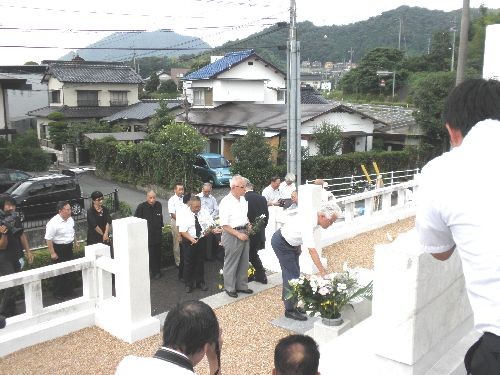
[491, 66]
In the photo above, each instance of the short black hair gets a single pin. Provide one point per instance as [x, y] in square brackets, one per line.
[186, 197]
[61, 204]
[96, 194]
[189, 326]
[6, 198]
[296, 355]
[178, 184]
[274, 178]
[470, 102]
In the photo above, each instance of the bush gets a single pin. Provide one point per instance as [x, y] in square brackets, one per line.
[24, 153]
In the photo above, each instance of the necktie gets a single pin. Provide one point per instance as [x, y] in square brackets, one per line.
[197, 225]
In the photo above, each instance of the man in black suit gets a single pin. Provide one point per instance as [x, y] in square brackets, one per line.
[151, 211]
[257, 206]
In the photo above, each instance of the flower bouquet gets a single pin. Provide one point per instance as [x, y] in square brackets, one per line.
[326, 296]
[220, 276]
[257, 225]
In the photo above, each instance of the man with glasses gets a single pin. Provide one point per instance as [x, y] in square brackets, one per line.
[233, 211]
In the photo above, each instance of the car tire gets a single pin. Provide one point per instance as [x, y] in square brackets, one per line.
[76, 209]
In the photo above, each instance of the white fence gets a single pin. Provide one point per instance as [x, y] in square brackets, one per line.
[349, 185]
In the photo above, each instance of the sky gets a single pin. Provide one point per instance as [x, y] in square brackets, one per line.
[81, 23]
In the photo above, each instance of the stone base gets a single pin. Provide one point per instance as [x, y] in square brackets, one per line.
[323, 334]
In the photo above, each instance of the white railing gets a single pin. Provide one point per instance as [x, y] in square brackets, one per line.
[349, 185]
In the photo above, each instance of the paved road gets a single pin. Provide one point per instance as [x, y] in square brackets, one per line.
[89, 183]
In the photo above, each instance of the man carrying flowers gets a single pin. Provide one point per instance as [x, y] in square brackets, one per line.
[287, 242]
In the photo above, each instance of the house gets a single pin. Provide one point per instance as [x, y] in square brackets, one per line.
[238, 77]
[8, 82]
[177, 74]
[137, 117]
[27, 98]
[86, 90]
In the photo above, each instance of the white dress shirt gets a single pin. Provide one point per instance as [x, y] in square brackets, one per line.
[210, 204]
[186, 222]
[451, 210]
[271, 195]
[299, 230]
[286, 190]
[233, 212]
[133, 365]
[174, 203]
[60, 231]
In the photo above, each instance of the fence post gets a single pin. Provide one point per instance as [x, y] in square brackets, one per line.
[116, 201]
[392, 178]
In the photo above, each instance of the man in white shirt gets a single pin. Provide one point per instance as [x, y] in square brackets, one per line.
[174, 205]
[60, 237]
[233, 211]
[209, 203]
[191, 332]
[446, 221]
[288, 186]
[287, 242]
[272, 192]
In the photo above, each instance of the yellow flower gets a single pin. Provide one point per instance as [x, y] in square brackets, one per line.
[221, 286]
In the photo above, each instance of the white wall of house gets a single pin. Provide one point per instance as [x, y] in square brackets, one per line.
[69, 91]
[238, 91]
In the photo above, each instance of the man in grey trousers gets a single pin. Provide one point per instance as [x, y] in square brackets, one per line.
[233, 211]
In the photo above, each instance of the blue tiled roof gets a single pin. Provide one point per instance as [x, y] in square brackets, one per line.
[210, 70]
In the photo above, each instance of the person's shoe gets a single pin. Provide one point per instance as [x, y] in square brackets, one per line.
[300, 310]
[189, 289]
[261, 279]
[295, 315]
[232, 294]
[246, 291]
[202, 286]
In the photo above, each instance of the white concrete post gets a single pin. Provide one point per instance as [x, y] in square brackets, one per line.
[128, 315]
[309, 203]
[33, 297]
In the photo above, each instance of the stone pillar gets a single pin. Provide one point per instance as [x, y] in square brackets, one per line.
[491, 66]
[128, 315]
[309, 203]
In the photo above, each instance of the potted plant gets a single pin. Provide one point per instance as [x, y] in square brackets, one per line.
[326, 296]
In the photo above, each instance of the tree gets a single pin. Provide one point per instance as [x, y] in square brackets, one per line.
[253, 157]
[428, 92]
[152, 83]
[162, 118]
[328, 138]
[58, 129]
[168, 87]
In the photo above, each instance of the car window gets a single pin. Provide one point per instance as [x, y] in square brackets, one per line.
[218, 162]
[20, 188]
[64, 185]
[200, 162]
[40, 188]
[21, 176]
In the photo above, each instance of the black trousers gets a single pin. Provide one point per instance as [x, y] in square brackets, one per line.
[8, 296]
[63, 284]
[253, 257]
[483, 358]
[154, 251]
[194, 258]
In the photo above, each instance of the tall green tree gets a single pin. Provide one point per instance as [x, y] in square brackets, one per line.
[58, 129]
[152, 83]
[168, 87]
[328, 138]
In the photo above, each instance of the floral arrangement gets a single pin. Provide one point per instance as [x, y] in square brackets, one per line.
[210, 228]
[220, 276]
[257, 225]
[327, 295]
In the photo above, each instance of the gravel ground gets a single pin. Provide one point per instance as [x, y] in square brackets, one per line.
[249, 338]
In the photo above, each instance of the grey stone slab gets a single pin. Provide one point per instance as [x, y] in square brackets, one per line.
[295, 325]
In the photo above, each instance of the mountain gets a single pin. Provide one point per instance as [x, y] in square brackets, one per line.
[156, 39]
[333, 43]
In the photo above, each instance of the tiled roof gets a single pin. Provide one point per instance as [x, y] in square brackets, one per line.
[308, 95]
[76, 112]
[217, 67]
[141, 111]
[78, 72]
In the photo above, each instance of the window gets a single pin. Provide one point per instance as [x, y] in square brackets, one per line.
[64, 185]
[118, 98]
[55, 96]
[87, 98]
[198, 97]
[200, 162]
[280, 95]
[250, 63]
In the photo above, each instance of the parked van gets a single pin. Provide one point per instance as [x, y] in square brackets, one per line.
[213, 168]
[38, 196]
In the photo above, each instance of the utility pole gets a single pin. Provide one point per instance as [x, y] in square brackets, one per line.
[462, 47]
[399, 38]
[452, 67]
[294, 154]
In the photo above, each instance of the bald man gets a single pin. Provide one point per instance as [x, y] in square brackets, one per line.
[296, 355]
[151, 211]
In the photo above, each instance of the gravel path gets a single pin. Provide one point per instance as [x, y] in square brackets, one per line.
[249, 338]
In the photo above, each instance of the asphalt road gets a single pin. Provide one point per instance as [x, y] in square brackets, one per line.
[132, 196]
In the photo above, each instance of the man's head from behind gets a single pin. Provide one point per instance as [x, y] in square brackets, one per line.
[470, 102]
[189, 328]
[296, 355]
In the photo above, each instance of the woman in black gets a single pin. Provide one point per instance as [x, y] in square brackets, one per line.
[98, 220]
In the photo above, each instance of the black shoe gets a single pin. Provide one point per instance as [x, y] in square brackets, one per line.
[262, 279]
[246, 291]
[189, 289]
[202, 286]
[295, 315]
[300, 310]
[232, 294]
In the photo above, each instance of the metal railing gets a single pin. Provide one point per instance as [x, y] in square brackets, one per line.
[354, 184]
